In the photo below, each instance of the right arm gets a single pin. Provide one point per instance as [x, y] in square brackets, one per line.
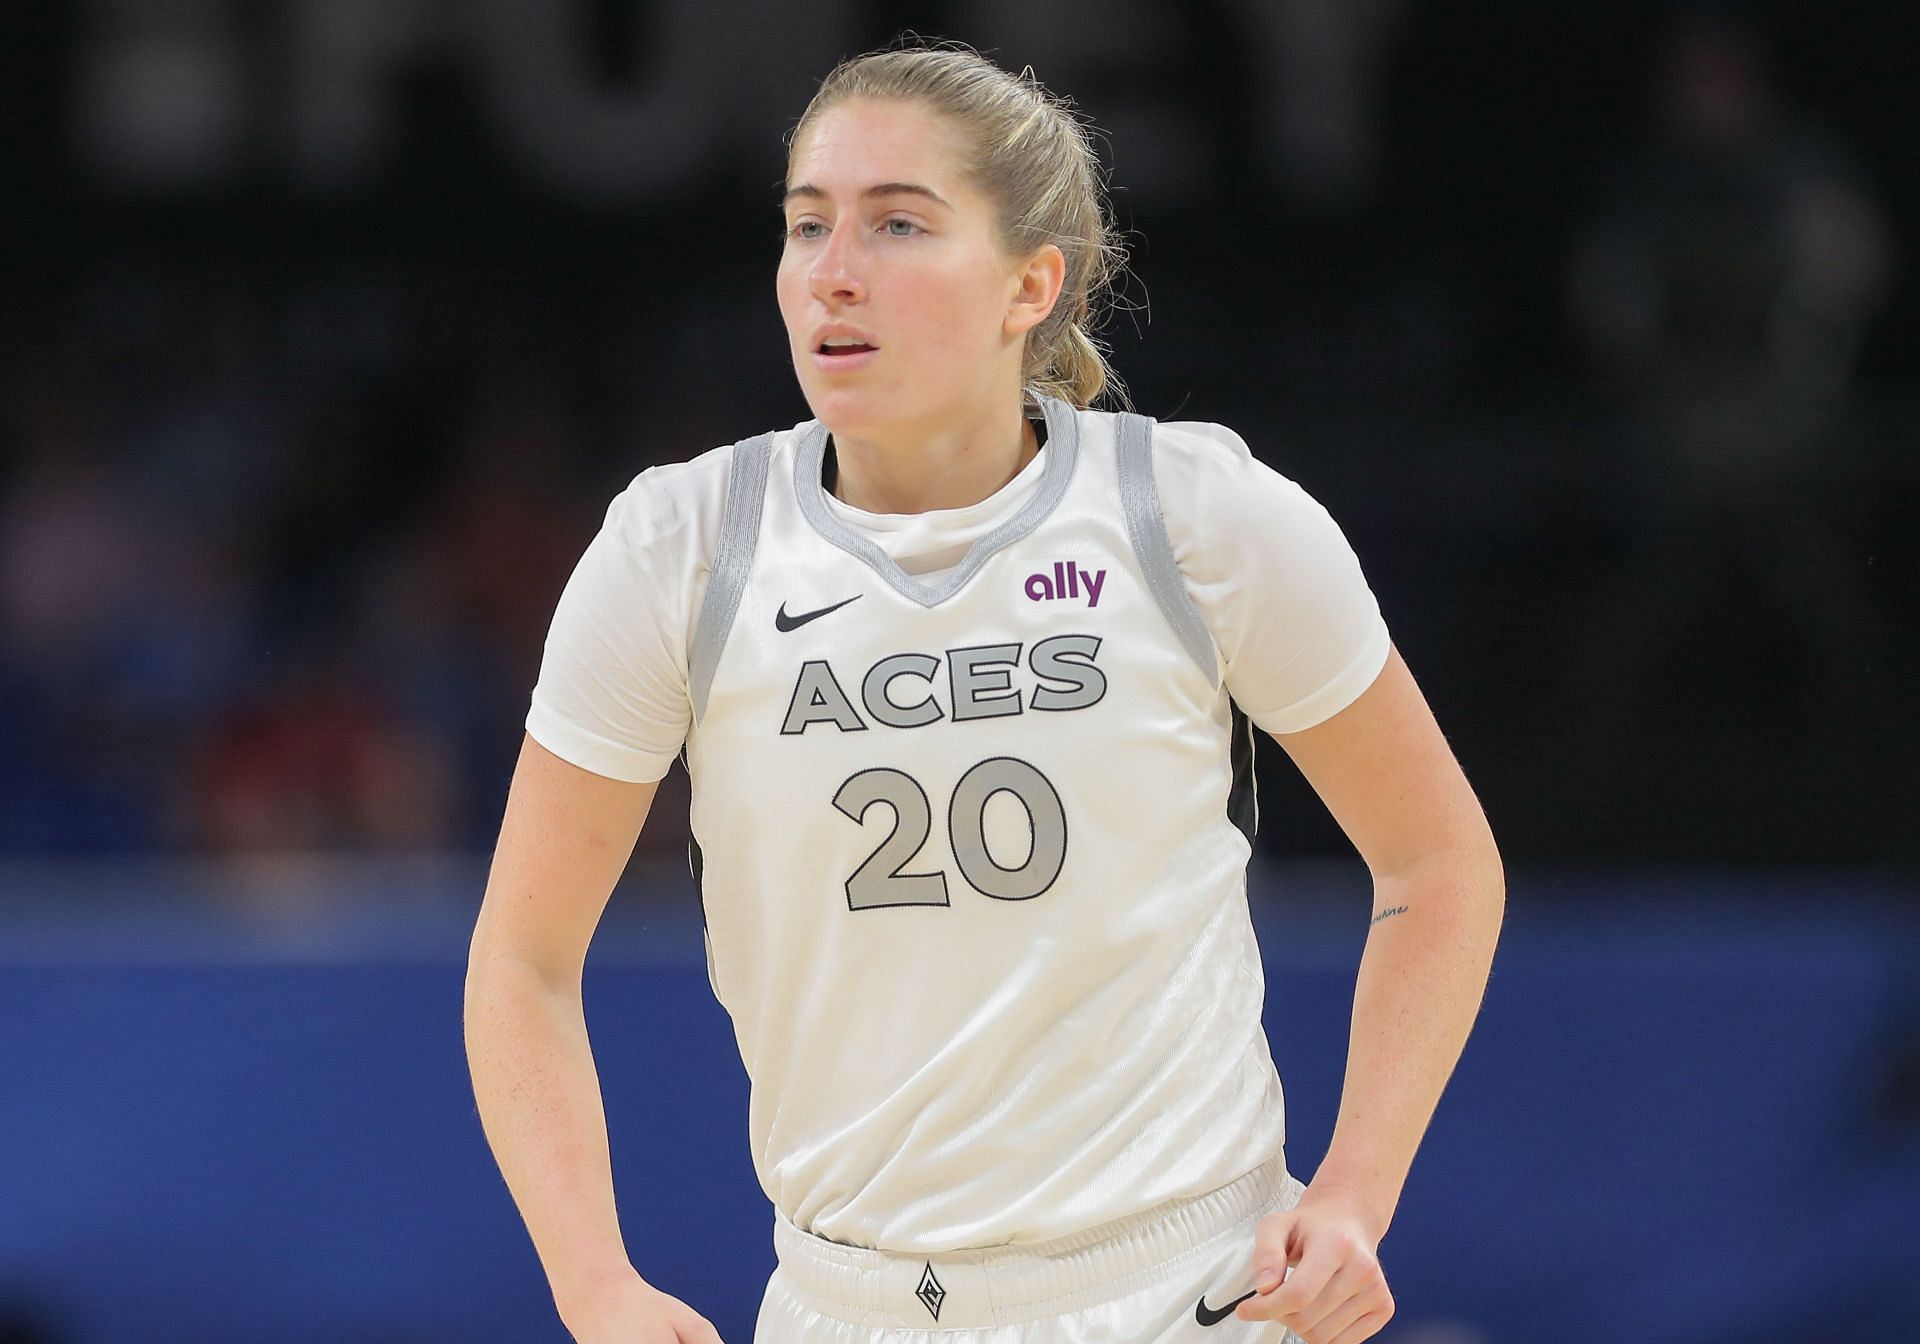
[564, 842]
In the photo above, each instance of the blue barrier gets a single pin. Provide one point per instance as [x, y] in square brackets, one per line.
[1673, 1122]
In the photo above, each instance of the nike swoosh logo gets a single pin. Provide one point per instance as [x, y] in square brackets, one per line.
[1206, 1315]
[784, 622]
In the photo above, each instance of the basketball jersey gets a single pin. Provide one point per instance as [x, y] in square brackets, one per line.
[971, 848]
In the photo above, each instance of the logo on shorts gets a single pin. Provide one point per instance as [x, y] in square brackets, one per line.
[1207, 1315]
[930, 1293]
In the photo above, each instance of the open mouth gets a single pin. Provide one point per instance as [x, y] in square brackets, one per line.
[837, 347]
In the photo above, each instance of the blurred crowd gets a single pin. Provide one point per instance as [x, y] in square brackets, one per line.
[274, 566]
[279, 543]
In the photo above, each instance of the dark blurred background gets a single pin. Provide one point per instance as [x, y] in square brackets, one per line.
[329, 327]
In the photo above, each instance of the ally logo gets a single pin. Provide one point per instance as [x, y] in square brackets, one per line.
[1067, 580]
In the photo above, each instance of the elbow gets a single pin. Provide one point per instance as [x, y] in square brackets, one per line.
[1472, 857]
[1480, 874]
[498, 962]
[1465, 876]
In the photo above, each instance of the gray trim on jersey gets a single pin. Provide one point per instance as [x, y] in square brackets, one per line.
[1063, 444]
[732, 558]
[1147, 525]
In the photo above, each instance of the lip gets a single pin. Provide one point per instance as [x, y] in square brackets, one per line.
[842, 363]
[832, 364]
[829, 331]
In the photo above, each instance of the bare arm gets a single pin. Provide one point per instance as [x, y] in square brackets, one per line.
[565, 838]
[1388, 777]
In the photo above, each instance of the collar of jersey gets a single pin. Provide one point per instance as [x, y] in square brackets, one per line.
[1063, 443]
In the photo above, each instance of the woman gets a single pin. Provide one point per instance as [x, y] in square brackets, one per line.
[964, 673]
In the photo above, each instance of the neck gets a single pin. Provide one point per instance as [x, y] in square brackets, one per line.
[920, 469]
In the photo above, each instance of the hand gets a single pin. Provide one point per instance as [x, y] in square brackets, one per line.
[1336, 1293]
[626, 1309]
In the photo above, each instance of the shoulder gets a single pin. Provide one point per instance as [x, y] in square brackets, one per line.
[647, 567]
[1207, 471]
[672, 497]
[1233, 520]
[678, 502]
[1272, 575]
[1200, 441]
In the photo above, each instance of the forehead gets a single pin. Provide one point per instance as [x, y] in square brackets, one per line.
[857, 143]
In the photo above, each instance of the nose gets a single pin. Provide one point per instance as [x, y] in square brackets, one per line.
[835, 276]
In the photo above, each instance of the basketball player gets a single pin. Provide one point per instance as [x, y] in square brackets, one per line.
[966, 676]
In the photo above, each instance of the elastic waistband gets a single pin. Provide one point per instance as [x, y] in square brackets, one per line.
[1005, 1285]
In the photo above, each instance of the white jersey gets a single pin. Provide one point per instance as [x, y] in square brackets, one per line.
[973, 843]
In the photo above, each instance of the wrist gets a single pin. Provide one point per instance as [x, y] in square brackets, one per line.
[576, 1295]
[1365, 1206]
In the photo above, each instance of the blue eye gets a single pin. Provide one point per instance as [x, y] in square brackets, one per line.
[906, 230]
[807, 230]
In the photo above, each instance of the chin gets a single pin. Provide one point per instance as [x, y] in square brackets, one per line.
[851, 411]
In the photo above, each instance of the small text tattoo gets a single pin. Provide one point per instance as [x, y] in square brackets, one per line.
[1388, 913]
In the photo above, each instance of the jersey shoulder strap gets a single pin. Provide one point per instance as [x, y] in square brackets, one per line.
[732, 558]
[1147, 528]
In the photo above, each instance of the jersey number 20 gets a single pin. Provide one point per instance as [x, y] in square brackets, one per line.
[879, 882]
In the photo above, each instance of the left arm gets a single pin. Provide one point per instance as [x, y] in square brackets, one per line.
[1388, 777]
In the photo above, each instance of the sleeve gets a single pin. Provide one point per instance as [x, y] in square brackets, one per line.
[612, 695]
[1299, 630]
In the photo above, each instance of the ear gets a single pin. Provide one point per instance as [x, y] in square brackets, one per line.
[1037, 288]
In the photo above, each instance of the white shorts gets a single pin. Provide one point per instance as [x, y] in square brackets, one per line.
[1169, 1274]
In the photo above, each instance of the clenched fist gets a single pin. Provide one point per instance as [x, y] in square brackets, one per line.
[1335, 1292]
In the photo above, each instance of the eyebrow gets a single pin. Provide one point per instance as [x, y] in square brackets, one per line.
[878, 189]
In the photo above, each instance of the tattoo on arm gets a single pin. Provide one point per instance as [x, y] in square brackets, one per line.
[1388, 913]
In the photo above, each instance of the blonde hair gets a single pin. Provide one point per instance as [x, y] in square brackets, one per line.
[1033, 157]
